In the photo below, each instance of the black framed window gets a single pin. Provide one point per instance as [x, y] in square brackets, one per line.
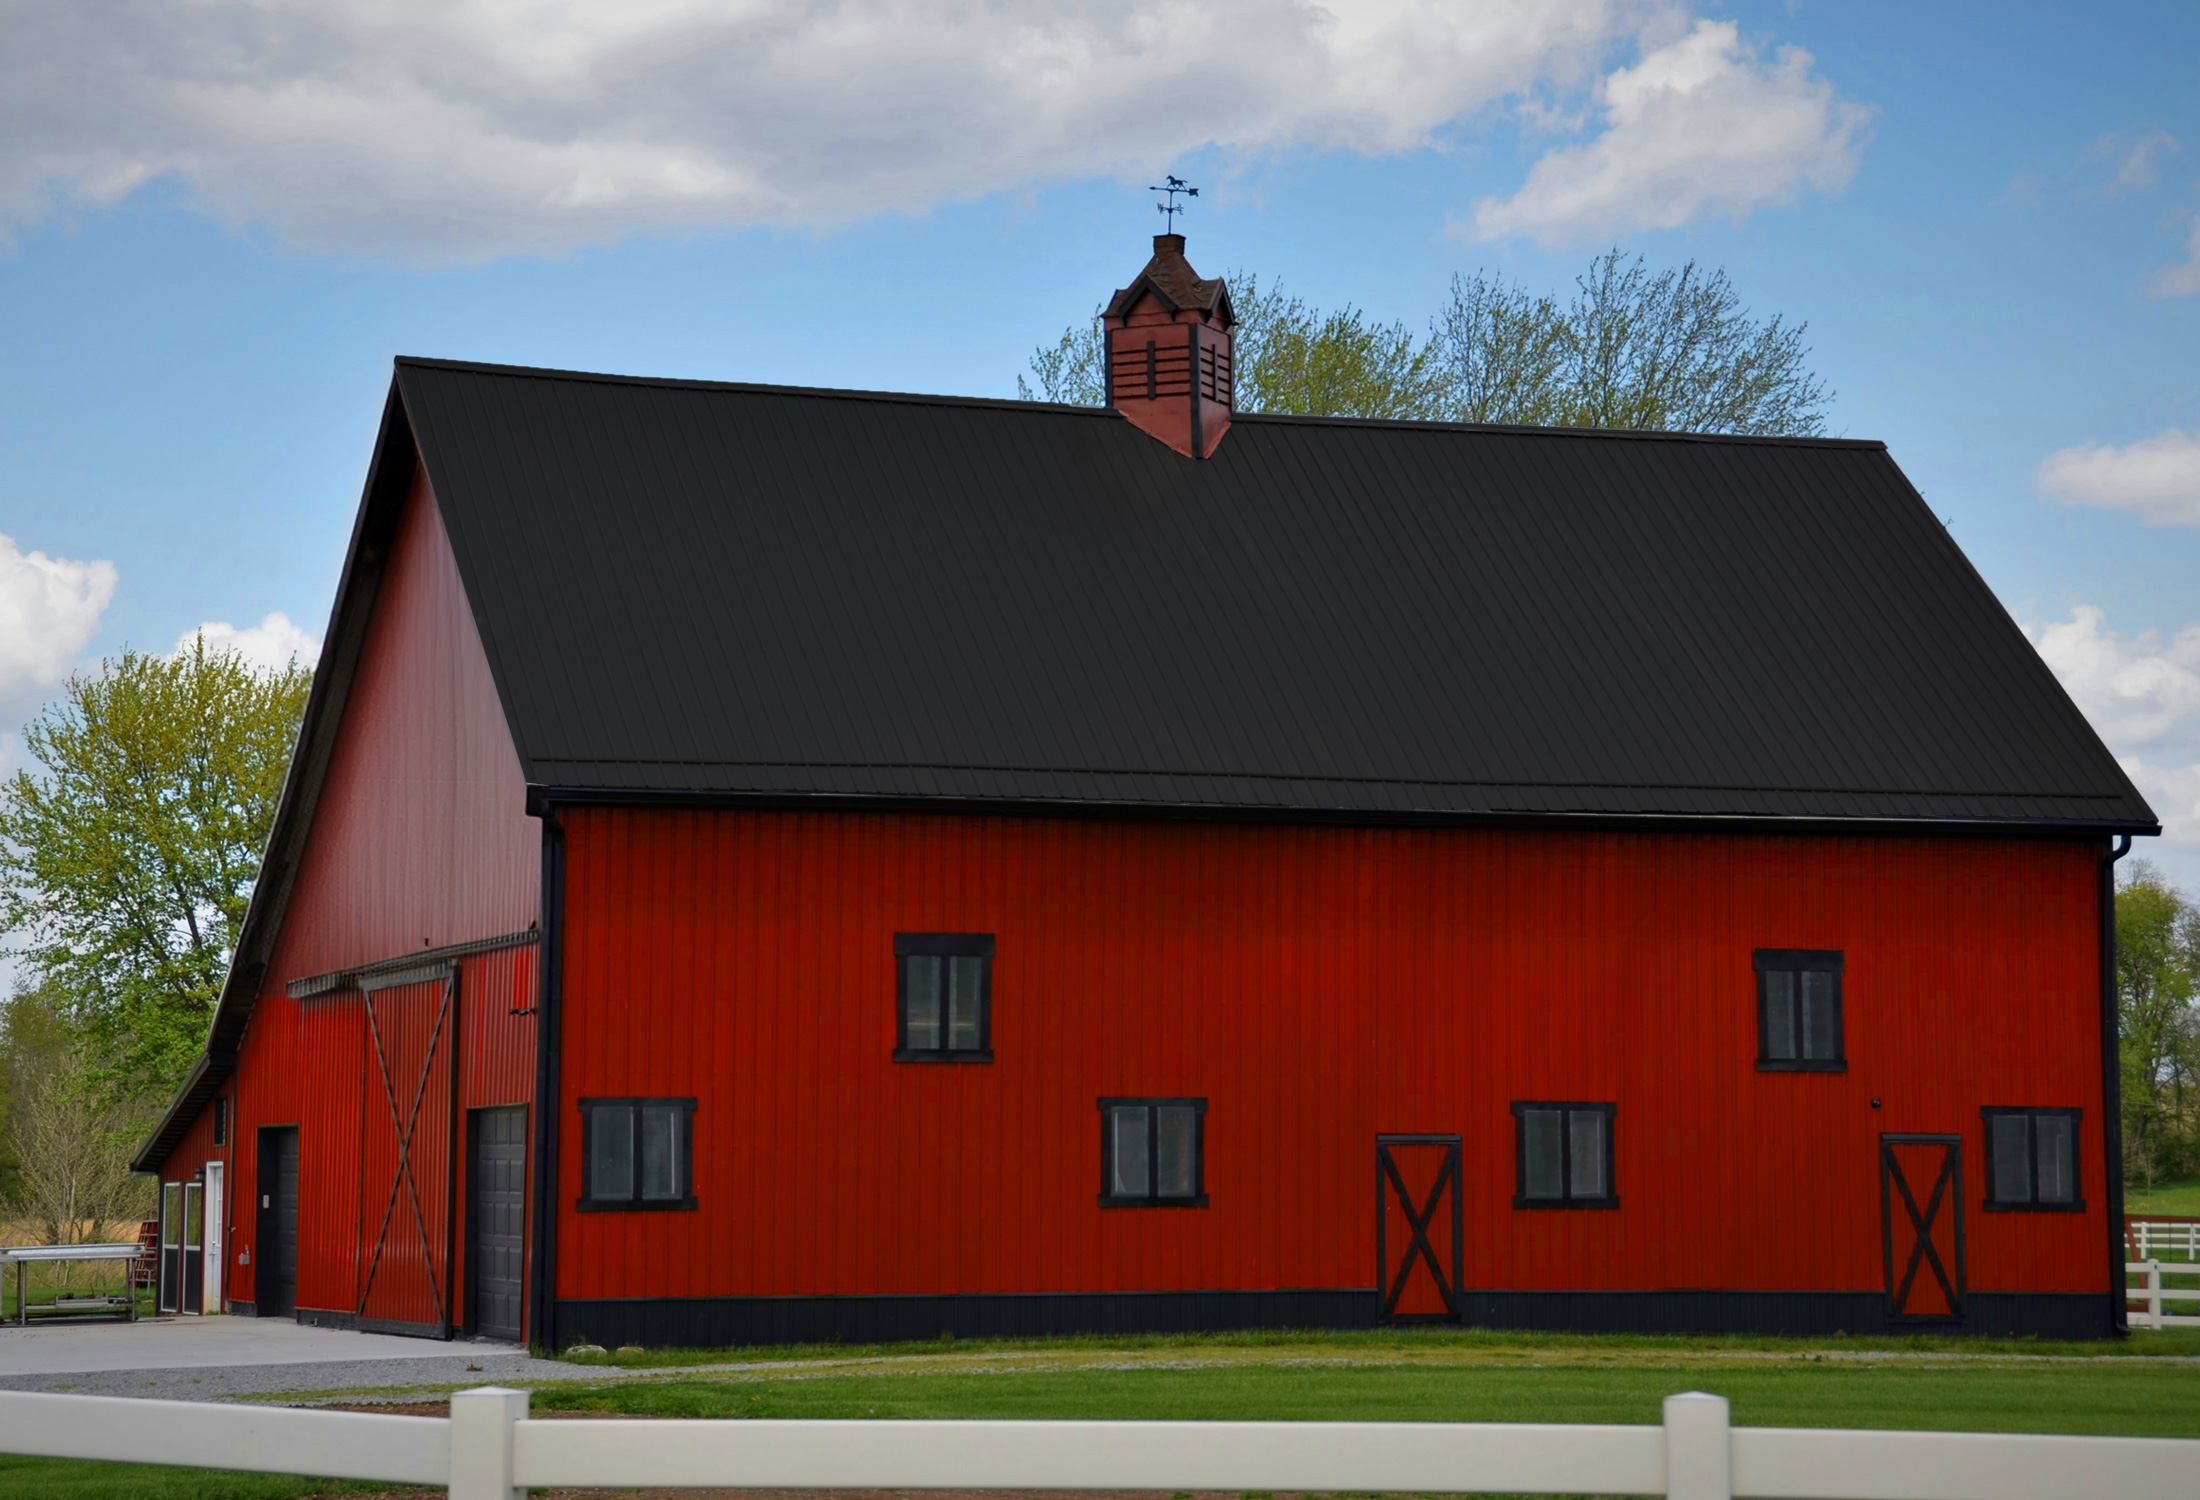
[1153, 1153]
[1799, 1011]
[637, 1154]
[1563, 1154]
[2032, 1160]
[943, 997]
[221, 1119]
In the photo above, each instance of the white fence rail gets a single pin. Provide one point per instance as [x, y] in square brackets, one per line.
[2155, 1294]
[487, 1449]
[2150, 1238]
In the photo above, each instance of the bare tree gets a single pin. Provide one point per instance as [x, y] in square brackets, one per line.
[70, 1144]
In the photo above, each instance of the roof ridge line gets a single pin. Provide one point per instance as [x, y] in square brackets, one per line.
[675, 382]
[930, 398]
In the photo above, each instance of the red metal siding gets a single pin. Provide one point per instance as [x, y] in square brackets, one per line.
[420, 840]
[1319, 986]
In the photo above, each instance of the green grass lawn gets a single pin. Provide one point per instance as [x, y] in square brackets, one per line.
[2006, 1388]
[2180, 1197]
[68, 1479]
[1420, 1375]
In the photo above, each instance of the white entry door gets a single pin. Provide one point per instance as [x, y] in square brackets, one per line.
[216, 1241]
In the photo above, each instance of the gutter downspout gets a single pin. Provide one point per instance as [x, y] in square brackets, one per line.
[542, 1329]
[2112, 1090]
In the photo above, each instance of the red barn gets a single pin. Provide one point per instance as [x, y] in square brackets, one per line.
[768, 864]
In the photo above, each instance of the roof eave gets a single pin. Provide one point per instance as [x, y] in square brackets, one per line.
[541, 796]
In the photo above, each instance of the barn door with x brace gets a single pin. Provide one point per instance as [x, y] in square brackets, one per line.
[406, 1171]
[1418, 1228]
[1921, 1217]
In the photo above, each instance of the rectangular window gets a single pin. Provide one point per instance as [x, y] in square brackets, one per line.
[944, 997]
[1799, 1011]
[2032, 1160]
[1564, 1155]
[1153, 1153]
[221, 1119]
[636, 1154]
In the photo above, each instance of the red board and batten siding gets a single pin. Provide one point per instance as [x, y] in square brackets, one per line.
[1317, 986]
[420, 840]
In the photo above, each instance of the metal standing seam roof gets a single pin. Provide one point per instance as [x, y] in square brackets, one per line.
[693, 588]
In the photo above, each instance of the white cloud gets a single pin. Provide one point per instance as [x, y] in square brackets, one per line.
[49, 611]
[455, 129]
[2137, 692]
[1700, 127]
[269, 645]
[2174, 794]
[2143, 695]
[2156, 478]
[2135, 164]
[2182, 279]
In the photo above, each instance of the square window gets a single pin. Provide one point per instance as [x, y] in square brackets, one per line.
[2032, 1160]
[1799, 1010]
[1152, 1153]
[1564, 1155]
[943, 997]
[637, 1154]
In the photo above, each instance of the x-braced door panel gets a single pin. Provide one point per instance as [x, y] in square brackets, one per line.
[1921, 1212]
[405, 1166]
[1418, 1227]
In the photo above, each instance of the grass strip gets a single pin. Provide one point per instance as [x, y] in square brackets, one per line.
[2075, 1397]
[1434, 1342]
[77, 1479]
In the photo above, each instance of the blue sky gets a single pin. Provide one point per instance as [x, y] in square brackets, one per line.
[222, 221]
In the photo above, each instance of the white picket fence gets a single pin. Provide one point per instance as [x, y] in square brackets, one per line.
[2155, 1294]
[488, 1449]
[2150, 1238]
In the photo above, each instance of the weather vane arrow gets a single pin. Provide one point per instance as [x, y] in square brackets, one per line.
[1171, 208]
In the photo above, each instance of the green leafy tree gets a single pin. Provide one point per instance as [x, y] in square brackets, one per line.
[1502, 354]
[2158, 1010]
[129, 849]
[1289, 356]
[1670, 350]
[1675, 351]
[1073, 369]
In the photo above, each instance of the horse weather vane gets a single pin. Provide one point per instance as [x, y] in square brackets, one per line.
[1170, 209]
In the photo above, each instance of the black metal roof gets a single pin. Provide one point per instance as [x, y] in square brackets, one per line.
[692, 588]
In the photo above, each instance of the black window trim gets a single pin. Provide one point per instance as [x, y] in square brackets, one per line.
[1520, 1107]
[2032, 1205]
[1795, 961]
[221, 1119]
[943, 945]
[1153, 1199]
[588, 1203]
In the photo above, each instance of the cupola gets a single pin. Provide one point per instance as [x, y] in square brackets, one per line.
[1168, 336]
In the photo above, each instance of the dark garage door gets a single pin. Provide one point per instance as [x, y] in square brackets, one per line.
[275, 1286]
[497, 1219]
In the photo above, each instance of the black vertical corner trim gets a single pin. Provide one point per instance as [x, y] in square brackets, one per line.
[1193, 371]
[2112, 1091]
[457, 1023]
[542, 1259]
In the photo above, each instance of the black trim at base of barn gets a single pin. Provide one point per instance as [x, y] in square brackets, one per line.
[322, 1317]
[721, 1322]
[241, 1309]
